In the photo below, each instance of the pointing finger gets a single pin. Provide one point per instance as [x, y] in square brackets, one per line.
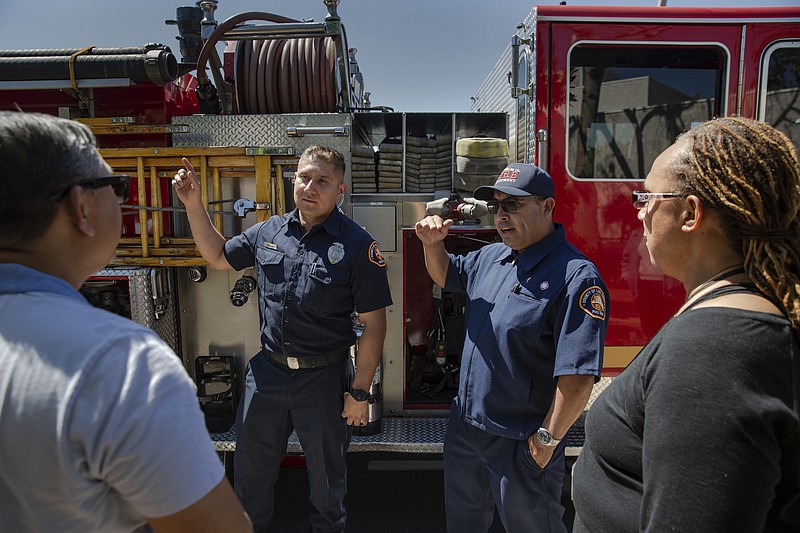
[188, 165]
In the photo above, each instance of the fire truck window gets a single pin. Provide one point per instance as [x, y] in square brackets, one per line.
[781, 100]
[627, 104]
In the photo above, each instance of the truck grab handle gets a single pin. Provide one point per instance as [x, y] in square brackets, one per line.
[516, 91]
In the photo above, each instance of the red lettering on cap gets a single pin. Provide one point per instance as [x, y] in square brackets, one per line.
[509, 174]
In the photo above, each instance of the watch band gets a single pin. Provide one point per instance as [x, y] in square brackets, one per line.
[359, 395]
[546, 438]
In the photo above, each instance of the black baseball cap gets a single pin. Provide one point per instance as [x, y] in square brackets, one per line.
[519, 179]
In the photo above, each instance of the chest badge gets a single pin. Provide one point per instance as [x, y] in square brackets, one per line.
[336, 253]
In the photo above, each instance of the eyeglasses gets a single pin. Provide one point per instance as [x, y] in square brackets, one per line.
[121, 183]
[642, 198]
[509, 205]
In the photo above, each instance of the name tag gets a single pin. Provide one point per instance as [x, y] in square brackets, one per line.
[270, 245]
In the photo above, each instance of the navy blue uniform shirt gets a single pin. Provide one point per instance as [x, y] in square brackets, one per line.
[310, 283]
[530, 318]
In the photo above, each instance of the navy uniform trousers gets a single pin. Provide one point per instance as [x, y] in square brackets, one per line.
[276, 400]
[482, 471]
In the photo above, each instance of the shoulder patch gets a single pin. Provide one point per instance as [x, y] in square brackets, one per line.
[375, 255]
[593, 301]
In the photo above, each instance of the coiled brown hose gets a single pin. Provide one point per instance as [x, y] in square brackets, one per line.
[286, 76]
[276, 75]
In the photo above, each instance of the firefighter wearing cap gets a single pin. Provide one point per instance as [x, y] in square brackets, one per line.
[315, 267]
[536, 321]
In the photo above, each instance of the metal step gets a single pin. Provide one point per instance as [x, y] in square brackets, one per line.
[403, 435]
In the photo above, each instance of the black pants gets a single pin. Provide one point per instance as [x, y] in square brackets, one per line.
[277, 400]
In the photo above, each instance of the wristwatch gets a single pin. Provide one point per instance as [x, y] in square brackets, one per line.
[359, 395]
[546, 438]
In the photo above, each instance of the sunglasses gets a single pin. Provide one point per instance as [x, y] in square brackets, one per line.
[509, 205]
[121, 183]
[642, 198]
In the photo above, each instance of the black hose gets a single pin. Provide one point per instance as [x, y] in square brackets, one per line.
[154, 64]
[69, 51]
[208, 99]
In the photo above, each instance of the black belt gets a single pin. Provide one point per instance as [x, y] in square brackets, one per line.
[306, 362]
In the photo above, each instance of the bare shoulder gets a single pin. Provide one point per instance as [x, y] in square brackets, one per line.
[748, 302]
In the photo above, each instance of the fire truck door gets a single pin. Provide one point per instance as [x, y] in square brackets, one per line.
[629, 90]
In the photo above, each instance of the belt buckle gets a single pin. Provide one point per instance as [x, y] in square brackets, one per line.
[292, 363]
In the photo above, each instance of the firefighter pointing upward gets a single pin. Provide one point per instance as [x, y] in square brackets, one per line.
[536, 321]
[314, 267]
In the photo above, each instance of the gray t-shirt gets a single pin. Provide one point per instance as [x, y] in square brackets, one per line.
[99, 423]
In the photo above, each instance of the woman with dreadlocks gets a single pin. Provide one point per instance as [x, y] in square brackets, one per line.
[702, 431]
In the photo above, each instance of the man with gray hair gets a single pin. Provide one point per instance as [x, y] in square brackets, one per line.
[100, 427]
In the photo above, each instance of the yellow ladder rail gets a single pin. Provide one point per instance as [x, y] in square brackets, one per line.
[149, 167]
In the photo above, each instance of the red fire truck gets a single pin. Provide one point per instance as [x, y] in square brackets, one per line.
[598, 92]
[591, 94]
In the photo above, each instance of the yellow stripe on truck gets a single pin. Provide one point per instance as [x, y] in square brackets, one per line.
[619, 356]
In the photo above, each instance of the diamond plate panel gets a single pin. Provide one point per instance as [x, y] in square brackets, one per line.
[157, 313]
[598, 388]
[576, 435]
[261, 130]
[407, 435]
[402, 435]
[412, 435]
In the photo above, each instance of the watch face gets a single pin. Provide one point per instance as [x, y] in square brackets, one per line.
[359, 395]
[544, 436]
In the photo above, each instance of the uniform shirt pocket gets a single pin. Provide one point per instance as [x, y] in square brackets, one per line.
[269, 263]
[524, 309]
[328, 289]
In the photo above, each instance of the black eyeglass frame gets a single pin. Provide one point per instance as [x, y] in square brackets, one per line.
[121, 183]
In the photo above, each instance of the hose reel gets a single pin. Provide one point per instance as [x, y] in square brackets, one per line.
[286, 75]
[286, 66]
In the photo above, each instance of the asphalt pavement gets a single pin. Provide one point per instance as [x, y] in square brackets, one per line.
[387, 493]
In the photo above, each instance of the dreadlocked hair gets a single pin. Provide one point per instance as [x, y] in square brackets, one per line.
[749, 172]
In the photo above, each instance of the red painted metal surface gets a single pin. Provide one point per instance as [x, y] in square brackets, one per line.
[598, 214]
[147, 104]
[652, 14]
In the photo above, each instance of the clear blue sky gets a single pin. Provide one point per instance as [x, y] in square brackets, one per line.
[416, 55]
